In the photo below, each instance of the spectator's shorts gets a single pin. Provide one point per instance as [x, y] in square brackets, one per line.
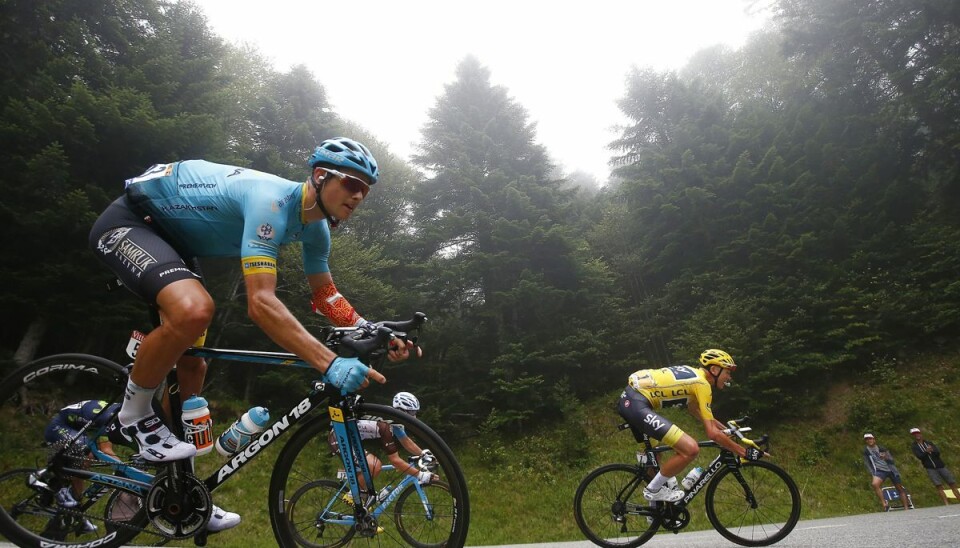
[940, 476]
[893, 476]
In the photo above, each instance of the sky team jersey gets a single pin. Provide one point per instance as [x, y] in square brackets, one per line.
[675, 387]
[215, 210]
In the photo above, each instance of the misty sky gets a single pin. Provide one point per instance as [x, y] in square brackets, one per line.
[384, 63]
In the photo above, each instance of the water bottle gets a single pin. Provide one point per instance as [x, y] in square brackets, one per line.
[241, 432]
[641, 458]
[197, 424]
[691, 478]
[384, 493]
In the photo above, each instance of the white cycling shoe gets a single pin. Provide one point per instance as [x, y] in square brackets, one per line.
[664, 494]
[157, 443]
[221, 520]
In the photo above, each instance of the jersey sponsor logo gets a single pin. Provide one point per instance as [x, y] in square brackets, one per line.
[668, 393]
[285, 200]
[174, 270]
[654, 421]
[237, 171]
[265, 231]
[134, 257]
[108, 242]
[259, 265]
[188, 207]
[196, 185]
[680, 402]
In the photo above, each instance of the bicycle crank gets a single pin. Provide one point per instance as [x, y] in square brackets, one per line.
[673, 518]
[180, 506]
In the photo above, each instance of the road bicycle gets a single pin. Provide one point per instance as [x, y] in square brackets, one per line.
[750, 503]
[130, 500]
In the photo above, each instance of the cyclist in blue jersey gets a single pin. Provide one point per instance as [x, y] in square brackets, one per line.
[173, 213]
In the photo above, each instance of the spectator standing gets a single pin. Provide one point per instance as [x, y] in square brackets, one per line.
[879, 462]
[929, 455]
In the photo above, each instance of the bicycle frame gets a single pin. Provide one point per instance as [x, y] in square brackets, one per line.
[723, 459]
[383, 504]
[129, 478]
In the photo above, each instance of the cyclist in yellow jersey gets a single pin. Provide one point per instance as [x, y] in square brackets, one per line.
[650, 390]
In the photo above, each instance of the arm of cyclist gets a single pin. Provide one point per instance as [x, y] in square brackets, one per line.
[328, 301]
[411, 468]
[273, 317]
[714, 429]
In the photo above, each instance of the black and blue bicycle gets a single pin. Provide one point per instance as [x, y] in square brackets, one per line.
[129, 500]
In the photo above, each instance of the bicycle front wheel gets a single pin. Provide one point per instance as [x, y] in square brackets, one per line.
[610, 509]
[755, 504]
[319, 516]
[420, 517]
[307, 460]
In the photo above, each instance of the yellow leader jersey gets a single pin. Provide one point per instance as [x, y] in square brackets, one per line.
[675, 387]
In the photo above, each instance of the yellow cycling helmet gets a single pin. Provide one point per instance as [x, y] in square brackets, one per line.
[717, 357]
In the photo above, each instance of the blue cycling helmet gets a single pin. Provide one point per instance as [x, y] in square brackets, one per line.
[344, 152]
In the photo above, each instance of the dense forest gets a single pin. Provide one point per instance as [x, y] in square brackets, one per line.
[790, 201]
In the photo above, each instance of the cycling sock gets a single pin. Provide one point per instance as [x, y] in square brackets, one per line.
[137, 403]
[657, 482]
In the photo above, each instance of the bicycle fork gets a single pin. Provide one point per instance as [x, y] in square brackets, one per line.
[354, 464]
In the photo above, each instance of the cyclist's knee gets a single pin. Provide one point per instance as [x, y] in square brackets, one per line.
[186, 307]
[687, 447]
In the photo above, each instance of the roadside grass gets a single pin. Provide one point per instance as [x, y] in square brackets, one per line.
[522, 488]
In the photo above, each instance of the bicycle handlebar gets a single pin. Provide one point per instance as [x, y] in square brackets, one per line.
[355, 342]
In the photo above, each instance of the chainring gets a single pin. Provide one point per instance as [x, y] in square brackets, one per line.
[178, 516]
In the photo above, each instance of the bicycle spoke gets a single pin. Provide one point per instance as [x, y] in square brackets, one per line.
[29, 511]
[771, 515]
[610, 509]
[305, 477]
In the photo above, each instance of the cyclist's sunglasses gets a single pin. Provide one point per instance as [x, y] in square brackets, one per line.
[351, 183]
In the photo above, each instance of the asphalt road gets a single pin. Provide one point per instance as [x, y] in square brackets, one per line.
[927, 527]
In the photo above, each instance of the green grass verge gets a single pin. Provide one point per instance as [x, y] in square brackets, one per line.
[522, 488]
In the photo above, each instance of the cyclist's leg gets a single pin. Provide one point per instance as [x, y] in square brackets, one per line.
[59, 433]
[153, 269]
[637, 411]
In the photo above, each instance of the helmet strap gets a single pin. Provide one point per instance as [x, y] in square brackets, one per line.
[715, 377]
[318, 186]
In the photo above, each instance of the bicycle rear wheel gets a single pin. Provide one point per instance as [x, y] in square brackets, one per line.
[306, 460]
[29, 513]
[610, 509]
[755, 504]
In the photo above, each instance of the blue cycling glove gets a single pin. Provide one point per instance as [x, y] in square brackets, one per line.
[347, 374]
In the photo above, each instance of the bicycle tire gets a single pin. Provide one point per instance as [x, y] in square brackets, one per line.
[413, 523]
[777, 508]
[307, 458]
[610, 510]
[29, 398]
